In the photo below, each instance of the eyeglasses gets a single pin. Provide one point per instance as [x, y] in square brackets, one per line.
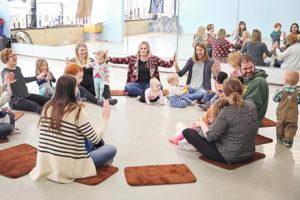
[12, 55]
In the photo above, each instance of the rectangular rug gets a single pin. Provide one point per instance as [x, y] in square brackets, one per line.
[159, 175]
[118, 93]
[267, 123]
[17, 161]
[260, 139]
[18, 114]
[256, 156]
[103, 173]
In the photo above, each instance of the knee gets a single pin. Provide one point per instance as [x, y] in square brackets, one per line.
[187, 132]
[5, 129]
[112, 150]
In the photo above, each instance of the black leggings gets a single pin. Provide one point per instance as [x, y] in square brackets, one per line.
[33, 103]
[208, 149]
[90, 97]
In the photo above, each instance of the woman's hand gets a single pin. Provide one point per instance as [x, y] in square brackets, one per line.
[106, 110]
[67, 61]
[42, 75]
[173, 59]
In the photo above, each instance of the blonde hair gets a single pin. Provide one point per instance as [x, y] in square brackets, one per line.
[5, 53]
[233, 90]
[233, 59]
[256, 36]
[147, 46]
[87, 58]
[172, 77]
[291, 77]
[154, 81]
[291, 38]
[200, 32]
[222, 33]
[209, 27]
[39, 65]
[218, 106]
[205, 56]
[101, 54]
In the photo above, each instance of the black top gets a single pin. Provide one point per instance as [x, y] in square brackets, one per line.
[144, 72]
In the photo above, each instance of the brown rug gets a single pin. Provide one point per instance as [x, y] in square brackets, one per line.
[262, 140]
[159, 175]
[103, 173]
[18, 114]
[3, 140]
[118, 93]
[267, 123]
[256, 156]
[17, 161]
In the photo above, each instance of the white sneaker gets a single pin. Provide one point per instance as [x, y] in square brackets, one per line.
[183, 144]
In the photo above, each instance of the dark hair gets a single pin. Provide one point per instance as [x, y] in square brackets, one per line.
[221, 77]
[63, 101]
[245, 58]
[277, 25]
[298, 32]
[240, 32]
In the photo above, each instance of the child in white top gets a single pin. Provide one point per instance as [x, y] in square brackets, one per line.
[45, 85]
[153, 93]
[100, 73]
[176, 93]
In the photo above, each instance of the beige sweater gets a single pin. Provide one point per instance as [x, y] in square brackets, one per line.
[63, 157]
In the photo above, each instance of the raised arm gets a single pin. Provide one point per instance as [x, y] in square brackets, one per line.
[125, 60]
[186, 68]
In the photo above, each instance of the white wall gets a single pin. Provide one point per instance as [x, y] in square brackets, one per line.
[111, 12]
[4, 14]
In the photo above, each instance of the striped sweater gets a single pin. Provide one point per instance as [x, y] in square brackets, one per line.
[63, 157]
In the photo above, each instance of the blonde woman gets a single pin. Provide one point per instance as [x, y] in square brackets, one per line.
[141, 68]
[220, 46]
[256, 48]
[82, 59]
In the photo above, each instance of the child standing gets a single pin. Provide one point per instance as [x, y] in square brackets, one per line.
[153, 93]
[45, 85]
[176, 93]
[287, 110]
[207, 118]
[100, 73]
[276, 34]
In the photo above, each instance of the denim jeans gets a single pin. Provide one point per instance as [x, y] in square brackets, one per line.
[195, 94]
[5, 129]
[136, 89]
[102, 154]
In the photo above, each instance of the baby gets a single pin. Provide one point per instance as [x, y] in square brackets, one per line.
[153, 93]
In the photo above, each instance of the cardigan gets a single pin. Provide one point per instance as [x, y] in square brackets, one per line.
[153, 63]
[62, 157]
[206, 72]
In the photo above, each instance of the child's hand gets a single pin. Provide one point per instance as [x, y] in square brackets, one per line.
[10, 78]
[49, 76]
[197, 124]
[42, 75]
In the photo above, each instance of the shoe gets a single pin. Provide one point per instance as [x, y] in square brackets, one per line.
[288, 142]
[174, 140]
[112, 101]
[16, 131]
[100, 103]
[204, 106]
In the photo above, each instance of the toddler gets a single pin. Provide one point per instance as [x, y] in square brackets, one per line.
[45, 85]
[153, 93]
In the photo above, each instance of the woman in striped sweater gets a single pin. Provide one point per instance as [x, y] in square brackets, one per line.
[65, 150]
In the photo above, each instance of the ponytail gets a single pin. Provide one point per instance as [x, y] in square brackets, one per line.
[235, 99]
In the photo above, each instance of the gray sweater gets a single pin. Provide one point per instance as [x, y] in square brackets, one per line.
[234, 131]
[256, 51]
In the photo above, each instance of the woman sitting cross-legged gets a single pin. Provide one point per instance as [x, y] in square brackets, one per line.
[230, 138]
[66, 138]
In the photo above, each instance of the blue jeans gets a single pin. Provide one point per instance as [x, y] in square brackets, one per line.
[195, 94]
[102, 154]
[5, 129]
[136, 89]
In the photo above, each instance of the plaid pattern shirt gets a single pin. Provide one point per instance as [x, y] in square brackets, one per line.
[289, 89]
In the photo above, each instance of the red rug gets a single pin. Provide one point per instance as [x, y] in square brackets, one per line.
[118, 93]
[159, 175]
[256, 156]
[103, 173]
[267, 123]
[17, 161]
[18, 114]
[262, 140]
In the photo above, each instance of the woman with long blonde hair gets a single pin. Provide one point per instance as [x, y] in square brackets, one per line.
[230, 138]
[141, 68]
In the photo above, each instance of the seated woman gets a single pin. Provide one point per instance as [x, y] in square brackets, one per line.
[63, 153]
[141, 68]
[230, 138]
[199, 68]
[21, 99]
[82, 58]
